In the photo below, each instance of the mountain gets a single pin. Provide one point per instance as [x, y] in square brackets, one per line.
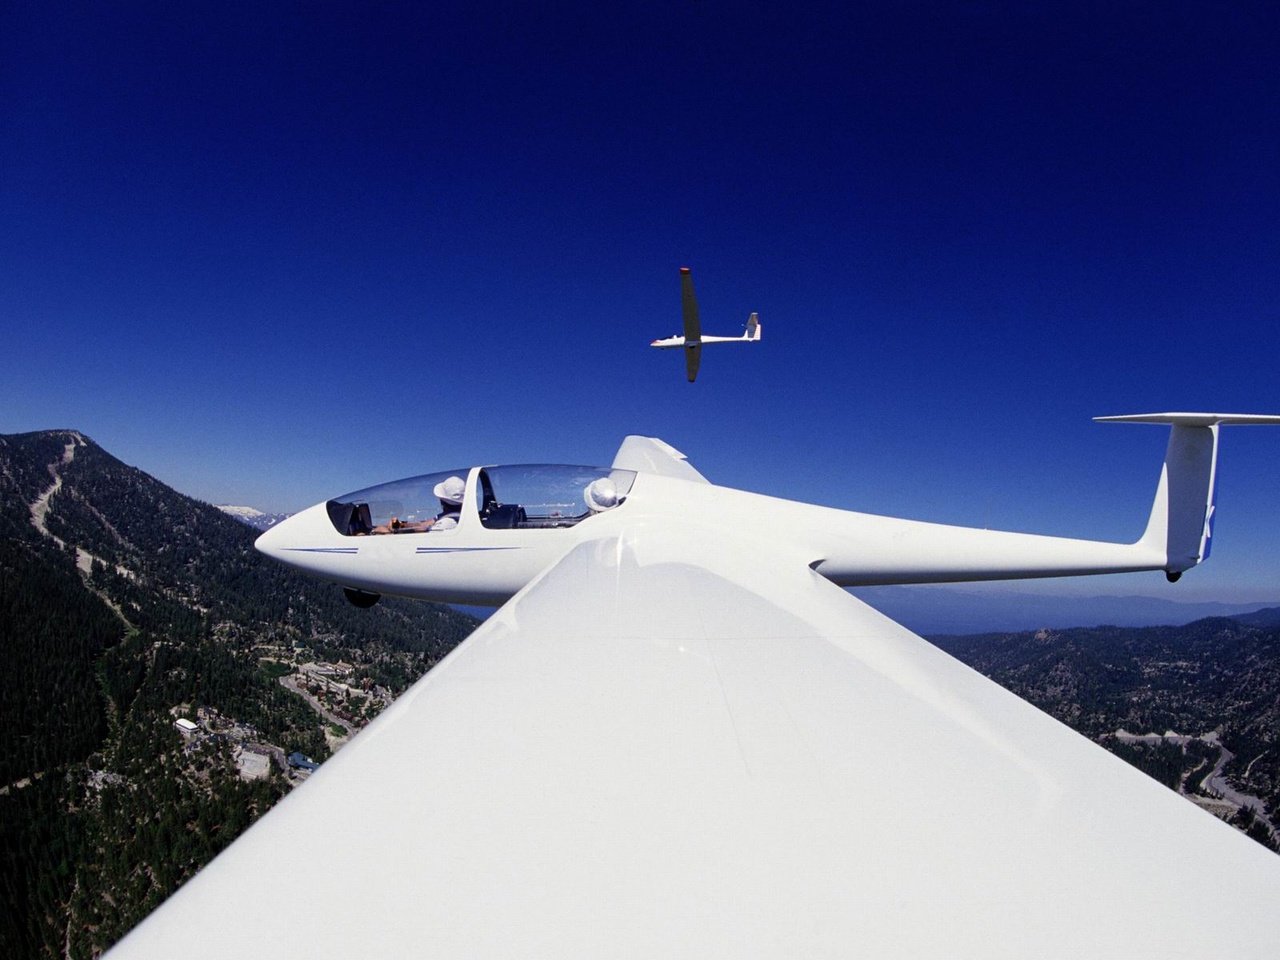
[956, 610]
[252, 516]
[1268, 617]
[124, 607]
[1196, 706]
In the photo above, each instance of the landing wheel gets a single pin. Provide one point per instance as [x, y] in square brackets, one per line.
[361, 598]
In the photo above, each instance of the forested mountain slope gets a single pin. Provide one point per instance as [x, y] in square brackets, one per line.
[123, 606]
[1214, 685]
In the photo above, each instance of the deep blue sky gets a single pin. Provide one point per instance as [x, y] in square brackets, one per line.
[271, 253]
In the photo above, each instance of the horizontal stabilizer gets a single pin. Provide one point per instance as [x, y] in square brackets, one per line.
[1194, 419]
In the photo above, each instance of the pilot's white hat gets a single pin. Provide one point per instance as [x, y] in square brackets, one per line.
[450, 489]
[601, 494]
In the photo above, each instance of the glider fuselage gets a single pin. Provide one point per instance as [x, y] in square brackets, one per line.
[477, 562]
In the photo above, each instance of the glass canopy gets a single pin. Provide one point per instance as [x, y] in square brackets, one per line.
[526, 496]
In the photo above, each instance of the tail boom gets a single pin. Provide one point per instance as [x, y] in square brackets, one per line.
[865, 550]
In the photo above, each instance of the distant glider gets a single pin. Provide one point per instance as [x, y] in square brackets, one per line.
[693, 339]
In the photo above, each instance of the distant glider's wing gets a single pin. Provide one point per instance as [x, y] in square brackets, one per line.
[674, 744]
[689, 306]
[692, 327]
[692, 357]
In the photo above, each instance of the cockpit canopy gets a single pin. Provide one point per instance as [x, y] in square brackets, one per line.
[523, 496]
[546, 495]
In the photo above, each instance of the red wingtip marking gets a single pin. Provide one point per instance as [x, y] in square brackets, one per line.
[684, 269]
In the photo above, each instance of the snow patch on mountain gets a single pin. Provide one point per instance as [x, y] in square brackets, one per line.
[252, 515]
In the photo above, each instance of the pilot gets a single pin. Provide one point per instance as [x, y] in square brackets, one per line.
[450, 491]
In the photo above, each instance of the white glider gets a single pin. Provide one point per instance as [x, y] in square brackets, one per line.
[680, 738]
[692, 340]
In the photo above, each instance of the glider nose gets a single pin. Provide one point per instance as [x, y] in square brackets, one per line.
[298, 535]
[271, 542]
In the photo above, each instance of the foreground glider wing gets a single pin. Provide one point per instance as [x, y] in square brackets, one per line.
[667, 746]
[651, 455]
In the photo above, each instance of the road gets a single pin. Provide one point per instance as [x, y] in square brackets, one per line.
[291, 683]
[1213, 782]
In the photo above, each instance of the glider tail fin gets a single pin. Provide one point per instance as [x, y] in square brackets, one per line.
[754, 329]
[1181, 521]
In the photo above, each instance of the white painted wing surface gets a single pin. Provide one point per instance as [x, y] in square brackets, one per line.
[651, 455]
[644, 755]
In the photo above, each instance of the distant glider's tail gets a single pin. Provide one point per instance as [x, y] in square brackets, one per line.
[753, 328]
[1181, 522]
